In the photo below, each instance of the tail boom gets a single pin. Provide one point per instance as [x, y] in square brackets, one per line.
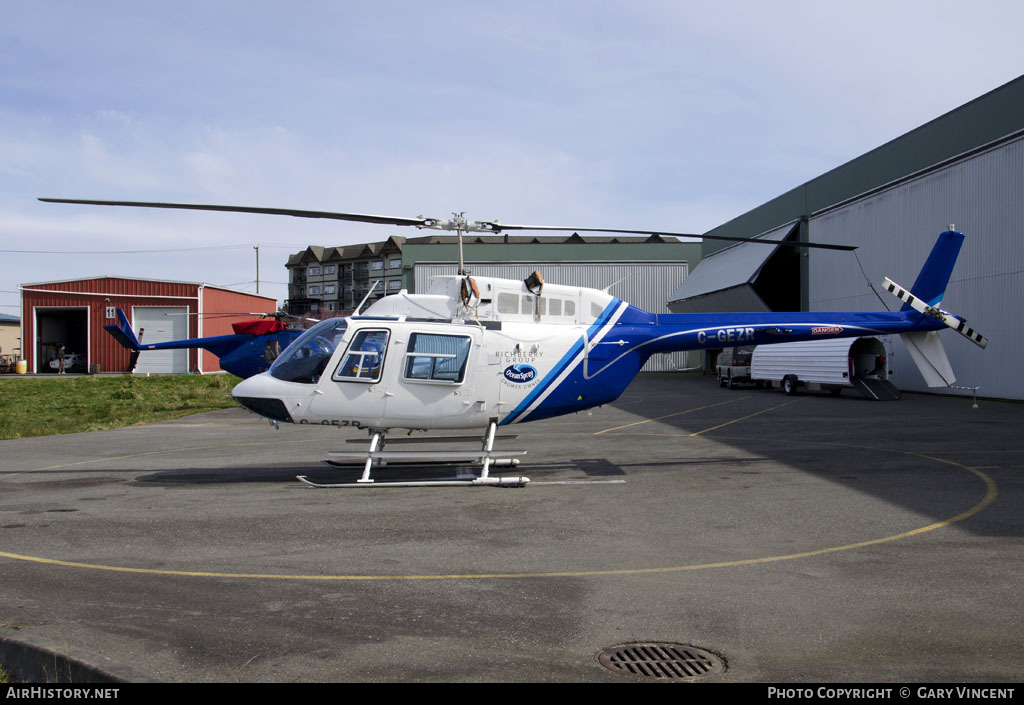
[684, 331]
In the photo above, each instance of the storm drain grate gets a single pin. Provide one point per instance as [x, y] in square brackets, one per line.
[661, 661]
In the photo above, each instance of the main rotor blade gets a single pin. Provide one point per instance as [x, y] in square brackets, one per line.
[357, 217]
[421, 222]
[497, 227]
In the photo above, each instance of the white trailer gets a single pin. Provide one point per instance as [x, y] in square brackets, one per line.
[830, 365]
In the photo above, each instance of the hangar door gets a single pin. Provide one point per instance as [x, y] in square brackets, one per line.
[161, 324]
[62, 326]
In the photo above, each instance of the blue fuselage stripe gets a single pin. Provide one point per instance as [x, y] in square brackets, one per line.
[559, 368]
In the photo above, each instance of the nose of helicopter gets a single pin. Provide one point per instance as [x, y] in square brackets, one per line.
[263, 395]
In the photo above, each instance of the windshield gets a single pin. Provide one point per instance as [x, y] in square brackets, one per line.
[305, 359]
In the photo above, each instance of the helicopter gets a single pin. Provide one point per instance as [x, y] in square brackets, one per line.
[251, 349]
[482, 352]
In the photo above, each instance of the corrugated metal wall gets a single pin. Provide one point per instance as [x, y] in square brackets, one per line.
[216, 300]
[896, 228]
[644, 284]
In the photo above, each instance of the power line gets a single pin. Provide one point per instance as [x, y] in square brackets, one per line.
[121, 252]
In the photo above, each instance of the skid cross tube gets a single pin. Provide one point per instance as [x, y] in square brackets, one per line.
[375, 455]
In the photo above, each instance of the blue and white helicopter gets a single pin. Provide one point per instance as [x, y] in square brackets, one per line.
[480, 352]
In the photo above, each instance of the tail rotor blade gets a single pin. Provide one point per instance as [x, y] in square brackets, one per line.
[957, 324]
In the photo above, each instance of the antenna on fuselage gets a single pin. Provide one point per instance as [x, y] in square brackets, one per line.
[608, 288]
[360, 306]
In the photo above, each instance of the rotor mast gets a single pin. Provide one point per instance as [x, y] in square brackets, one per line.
[460, 225]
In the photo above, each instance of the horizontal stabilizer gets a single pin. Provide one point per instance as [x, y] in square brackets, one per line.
[930, 357]
[123, 332]
[954, 322]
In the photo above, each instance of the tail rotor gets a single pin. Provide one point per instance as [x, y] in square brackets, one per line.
[955, 322]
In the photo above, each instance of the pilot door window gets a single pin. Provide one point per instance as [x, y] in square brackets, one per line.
[365, 357]
[436, 358]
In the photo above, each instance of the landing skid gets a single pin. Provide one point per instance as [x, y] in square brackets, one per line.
[392, 460]
[489, 481]
[376, 456]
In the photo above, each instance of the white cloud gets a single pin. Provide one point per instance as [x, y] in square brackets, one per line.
[651, 113]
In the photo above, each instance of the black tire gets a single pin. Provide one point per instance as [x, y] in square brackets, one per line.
[732, 383]
[789, 384]
[836, 391]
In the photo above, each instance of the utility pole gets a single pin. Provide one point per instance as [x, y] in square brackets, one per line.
[257, 248]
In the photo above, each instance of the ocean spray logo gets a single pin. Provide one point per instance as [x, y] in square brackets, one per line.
[520, 374]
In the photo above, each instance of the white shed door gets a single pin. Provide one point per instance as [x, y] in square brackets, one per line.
[161, 324]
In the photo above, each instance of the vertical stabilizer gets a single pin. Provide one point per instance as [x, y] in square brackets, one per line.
[930, 285]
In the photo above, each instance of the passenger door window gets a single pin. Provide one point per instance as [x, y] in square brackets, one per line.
[436, 358]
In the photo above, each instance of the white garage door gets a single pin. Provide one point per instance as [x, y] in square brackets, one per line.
[161, 324]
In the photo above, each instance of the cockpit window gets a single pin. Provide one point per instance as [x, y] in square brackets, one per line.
[365, 357]
[305, 359]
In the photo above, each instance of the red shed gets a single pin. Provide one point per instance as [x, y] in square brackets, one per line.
[73, 313]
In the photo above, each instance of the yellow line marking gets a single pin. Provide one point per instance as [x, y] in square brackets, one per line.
[678, 413]
[756, 413]
[651, 433]
[930, 454]
[991, 493]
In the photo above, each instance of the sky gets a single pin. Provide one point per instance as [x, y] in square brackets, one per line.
[662, 114]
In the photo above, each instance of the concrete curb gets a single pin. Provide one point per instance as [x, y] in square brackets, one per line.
[30, 659]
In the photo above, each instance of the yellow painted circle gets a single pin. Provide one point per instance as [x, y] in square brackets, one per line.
[990, 495]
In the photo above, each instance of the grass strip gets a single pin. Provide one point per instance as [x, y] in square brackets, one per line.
[46, 407]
